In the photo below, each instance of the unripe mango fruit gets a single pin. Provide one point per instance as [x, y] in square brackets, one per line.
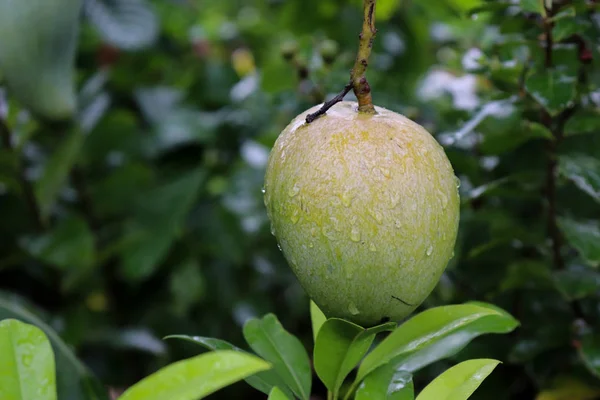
[365, 209]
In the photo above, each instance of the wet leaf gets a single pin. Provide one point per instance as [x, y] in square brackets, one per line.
[387, 383]
[460, 381]
[197, 377]
[27, 363]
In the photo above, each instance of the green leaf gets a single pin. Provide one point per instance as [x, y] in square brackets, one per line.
[317, 319]
[127, 24]
[56, 171]
[584, 171]
[339, 348]
[386, 8]
[74, 381]
[269, 340]
[69, 246]
[435, 334]
[196, 377]
[460, 381]
[566, 27]
[387, 383]
[26, 363]
[577, 282]
[534, 6]
[584, 236]
[589, 352]
[263, 381]
[278, 394]
[161, 212]
[582, 122]
[554, 90]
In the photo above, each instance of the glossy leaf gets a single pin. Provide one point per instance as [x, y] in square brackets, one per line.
[565, 27]
[554, 90]
[387, 383]
[196, 377]
[584, 171]
[263, 381]
[317, 319]
[74, 381]
[584, 236]
[26, 363]
[339, 348]
[278, 394]
[460, 381]
[269, 340]
[435, 334]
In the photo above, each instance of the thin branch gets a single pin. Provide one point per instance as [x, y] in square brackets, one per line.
[26, 185]
[358, 79]
[311, 117]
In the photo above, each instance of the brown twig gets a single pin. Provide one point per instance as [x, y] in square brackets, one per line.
[358, 79]
[26, 185]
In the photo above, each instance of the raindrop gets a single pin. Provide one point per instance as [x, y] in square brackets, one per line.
[355, 234]
[263, 190]
[311, 245]
[347, 198]
[376, 215]
[394, 199]
[444, 199]
[272, 229]
[353, 309]
[279, 247]
[457, 181]
[398, 224]
[429, 250]
[295, 216]
[294, 190]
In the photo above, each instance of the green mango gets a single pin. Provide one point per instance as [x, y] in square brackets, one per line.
[365, 209]
[38, 41]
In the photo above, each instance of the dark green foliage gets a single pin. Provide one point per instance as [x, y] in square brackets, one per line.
[145, 217]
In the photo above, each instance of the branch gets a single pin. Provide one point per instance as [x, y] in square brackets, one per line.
[358, 79]
[26, 185]
[361, 87]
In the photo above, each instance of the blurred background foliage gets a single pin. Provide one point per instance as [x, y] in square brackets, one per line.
[148, 219]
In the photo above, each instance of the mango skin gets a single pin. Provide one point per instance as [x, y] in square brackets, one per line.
[365, 209]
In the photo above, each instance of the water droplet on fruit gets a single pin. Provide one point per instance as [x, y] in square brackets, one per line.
[452, 255]
[311, 245]
[429, 250]
[457, 181]
[263, 190]
[355, 234]
[294, 190]
[352, 309]
[444, 200]
[398, 224]
[376, 215]
[373, 248]
[347, 198]
[279, 247]
[394, 199]
[336, 224]
[385, 172]
[272, 229]
[329, 233]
